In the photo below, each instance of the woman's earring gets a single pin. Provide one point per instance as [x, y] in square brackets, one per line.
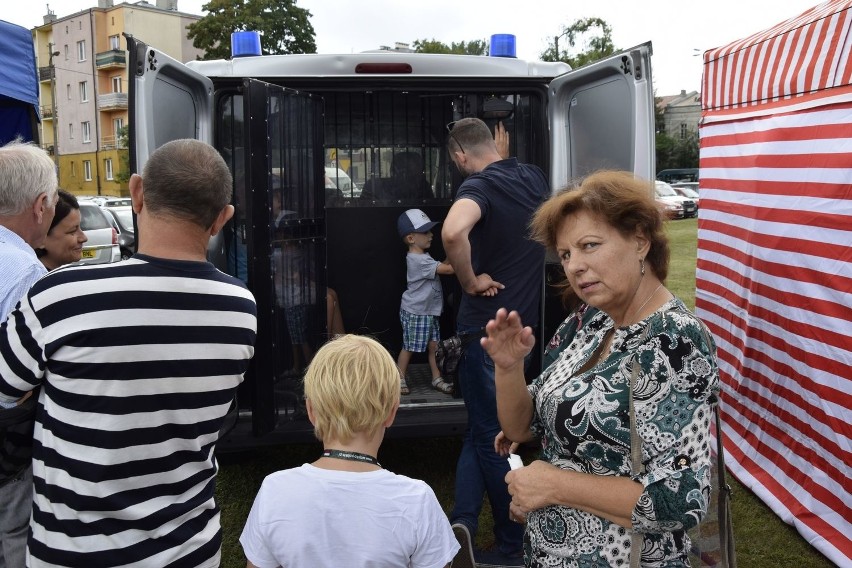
[642, 265]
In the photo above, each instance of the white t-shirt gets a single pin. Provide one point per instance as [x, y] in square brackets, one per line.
[307, 516]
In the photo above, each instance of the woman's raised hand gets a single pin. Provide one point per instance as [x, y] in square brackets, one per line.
[507, 341]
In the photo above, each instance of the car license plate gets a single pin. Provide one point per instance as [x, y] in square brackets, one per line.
[89, 253]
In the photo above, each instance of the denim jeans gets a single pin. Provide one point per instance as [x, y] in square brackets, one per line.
[480, 469]
[16, 498]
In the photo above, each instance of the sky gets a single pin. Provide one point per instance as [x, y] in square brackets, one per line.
[679, 31]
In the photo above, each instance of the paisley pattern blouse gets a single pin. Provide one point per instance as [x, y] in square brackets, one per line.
[583, 421]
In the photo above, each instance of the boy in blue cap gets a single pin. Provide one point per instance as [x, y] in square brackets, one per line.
[423, 300]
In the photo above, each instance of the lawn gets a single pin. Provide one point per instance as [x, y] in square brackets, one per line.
[763, 541]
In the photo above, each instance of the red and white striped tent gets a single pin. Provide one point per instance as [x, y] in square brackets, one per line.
[774, 276]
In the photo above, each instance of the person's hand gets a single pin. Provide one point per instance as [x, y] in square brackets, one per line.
[485, 286]
[531, 486]
[503, 445]
[501, 140]
[507, 341]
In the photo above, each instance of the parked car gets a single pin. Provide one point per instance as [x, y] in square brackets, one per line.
[115, 201]
[335, 177]
[688, 189]
[668, 196]
[102, 246]
[122, 217]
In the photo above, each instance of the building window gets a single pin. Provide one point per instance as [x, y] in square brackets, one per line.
[86, 129]
[68, 90]
[80, 25]
[114, 42]
[73, 169]
[683, 131]
[84, 92]
[81, 50]
[108, 168]
[66, 52]
[66, 28]
[70, 130]
[87, 170]
[117, 125]
[116, 84]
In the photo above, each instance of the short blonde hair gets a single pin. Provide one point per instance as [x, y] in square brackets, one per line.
[353, 385]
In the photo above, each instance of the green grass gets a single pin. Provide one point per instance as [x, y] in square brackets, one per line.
[762, 539]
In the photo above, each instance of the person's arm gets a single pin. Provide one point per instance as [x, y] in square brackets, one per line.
[462, 217]
[541, 484]
[508, 342]
[20, 373]
[445, 268]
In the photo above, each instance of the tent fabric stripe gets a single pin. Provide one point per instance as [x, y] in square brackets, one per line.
[804, 54]
[774, 270]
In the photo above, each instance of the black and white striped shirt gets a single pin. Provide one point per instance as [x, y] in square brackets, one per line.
[138, 362]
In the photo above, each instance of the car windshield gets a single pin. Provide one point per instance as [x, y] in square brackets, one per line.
[665, 190]
[91, 218]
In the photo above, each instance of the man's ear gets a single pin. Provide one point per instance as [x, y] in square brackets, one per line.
[224, 216]
[136, 193]
[39, 205]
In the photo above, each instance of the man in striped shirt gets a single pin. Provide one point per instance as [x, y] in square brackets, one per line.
[138, 363]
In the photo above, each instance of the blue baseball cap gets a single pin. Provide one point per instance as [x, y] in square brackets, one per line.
[414, 221]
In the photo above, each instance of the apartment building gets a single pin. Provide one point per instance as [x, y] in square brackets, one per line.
[83, 79]
[681, 114]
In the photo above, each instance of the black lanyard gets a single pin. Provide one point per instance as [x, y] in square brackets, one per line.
[351, 456]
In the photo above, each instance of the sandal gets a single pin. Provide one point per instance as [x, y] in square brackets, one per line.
[440, 384]
[403, 387]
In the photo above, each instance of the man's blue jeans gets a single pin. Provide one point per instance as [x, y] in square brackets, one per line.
[480, 469]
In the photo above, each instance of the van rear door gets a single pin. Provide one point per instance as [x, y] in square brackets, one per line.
[167, 101]
[602, 116]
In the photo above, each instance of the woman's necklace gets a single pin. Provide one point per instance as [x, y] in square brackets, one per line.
[645, 303]
[350, 456]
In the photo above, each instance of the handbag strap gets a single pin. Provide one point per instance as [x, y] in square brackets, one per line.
[726, 531]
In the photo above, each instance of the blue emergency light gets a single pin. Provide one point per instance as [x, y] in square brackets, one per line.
[502, 45]
[245, 44]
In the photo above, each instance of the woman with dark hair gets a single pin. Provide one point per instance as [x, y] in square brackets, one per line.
[623, 410]
[64, 241]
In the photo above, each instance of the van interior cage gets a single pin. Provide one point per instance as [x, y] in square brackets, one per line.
[319, 182]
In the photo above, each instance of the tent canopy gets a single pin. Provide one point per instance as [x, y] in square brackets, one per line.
[18, 82]
[774, 271]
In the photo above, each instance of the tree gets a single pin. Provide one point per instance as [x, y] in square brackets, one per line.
[283, 27]
[474, 47]
[596, 46]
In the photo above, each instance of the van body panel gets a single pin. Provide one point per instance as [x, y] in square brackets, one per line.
[284, 123]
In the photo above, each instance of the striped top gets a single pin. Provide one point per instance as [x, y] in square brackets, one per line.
[139, 362]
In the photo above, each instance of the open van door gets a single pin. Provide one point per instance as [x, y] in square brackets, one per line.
[167, 101]
[601, 117]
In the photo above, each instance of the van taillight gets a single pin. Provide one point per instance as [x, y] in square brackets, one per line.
[389, 68]
[114, 236]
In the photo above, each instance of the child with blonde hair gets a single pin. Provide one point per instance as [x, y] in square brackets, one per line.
[344, 509]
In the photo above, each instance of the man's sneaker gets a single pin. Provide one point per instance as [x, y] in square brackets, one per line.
[464, 557]
[493, 558]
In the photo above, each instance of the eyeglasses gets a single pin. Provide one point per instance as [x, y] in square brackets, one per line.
[455, 139]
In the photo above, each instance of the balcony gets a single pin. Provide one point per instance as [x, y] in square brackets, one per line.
[112, 101]
[46, 112]
[111, 143]
[112, 59]
[46, 73]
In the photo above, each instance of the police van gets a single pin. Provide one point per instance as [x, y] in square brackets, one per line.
[305, 247]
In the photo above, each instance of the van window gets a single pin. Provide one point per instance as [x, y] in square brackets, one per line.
[393, 144]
